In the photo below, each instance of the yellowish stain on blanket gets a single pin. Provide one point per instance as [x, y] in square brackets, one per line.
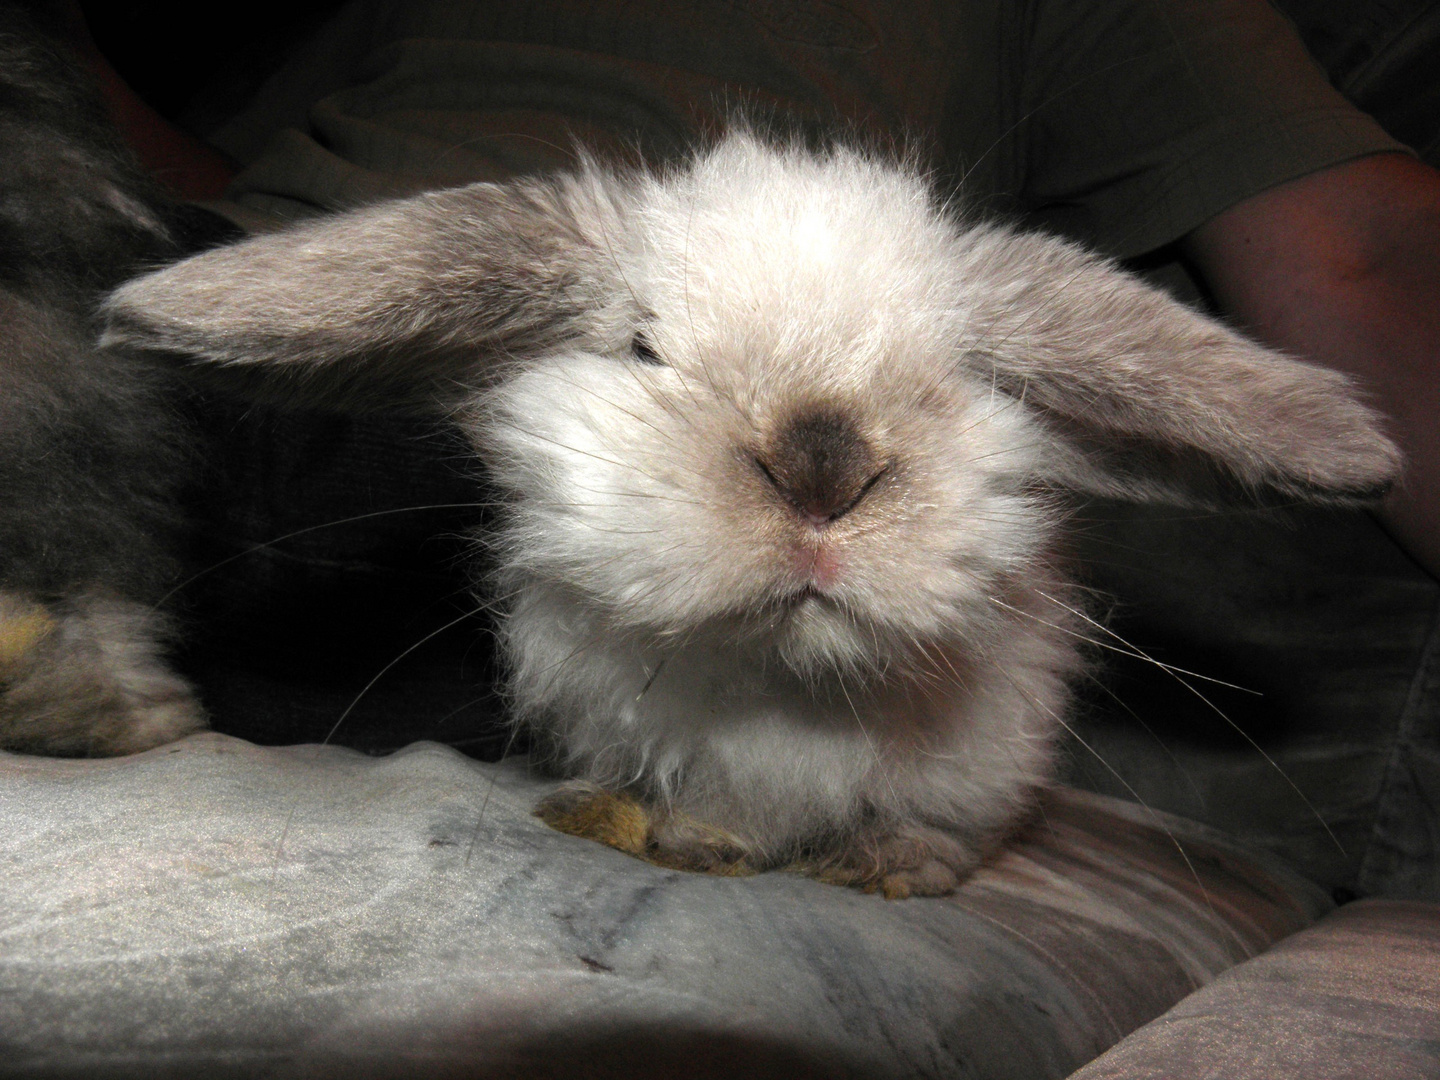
[22, 627]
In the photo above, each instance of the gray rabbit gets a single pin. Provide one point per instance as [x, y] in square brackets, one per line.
[92, 448]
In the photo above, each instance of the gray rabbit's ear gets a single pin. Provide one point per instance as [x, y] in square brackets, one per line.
[1147, 398]
[401, 303]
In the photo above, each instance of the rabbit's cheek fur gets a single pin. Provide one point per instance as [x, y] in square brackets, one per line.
[613, 491]
[663, 515]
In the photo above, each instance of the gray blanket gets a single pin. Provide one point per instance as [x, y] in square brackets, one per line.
[215, 908]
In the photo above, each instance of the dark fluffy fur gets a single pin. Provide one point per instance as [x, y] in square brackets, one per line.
[89, 451]
[92, 449]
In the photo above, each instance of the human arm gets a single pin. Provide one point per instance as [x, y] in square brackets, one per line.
[1343, 267]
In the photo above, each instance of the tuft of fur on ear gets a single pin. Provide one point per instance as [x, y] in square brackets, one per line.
[405, 303]
[1150, 399]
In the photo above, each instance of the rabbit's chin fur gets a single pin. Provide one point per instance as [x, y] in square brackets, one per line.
[782, 440]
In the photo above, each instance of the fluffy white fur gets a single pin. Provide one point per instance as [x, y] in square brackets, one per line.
[679, 629]
[783, 441]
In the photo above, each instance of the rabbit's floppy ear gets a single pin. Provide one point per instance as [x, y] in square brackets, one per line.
[1148, 398]
[401, 303]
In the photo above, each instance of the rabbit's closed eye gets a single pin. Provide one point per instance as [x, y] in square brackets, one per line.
[642, 350]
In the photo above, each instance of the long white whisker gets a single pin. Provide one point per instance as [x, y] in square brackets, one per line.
[314, 528]
[1130, 650]
[1154, 814]
[1275, 765]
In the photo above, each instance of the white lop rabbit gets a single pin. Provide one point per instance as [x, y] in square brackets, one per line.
[785, 444]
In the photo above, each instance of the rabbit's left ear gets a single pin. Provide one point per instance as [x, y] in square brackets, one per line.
[402, 303]
[1148, 398]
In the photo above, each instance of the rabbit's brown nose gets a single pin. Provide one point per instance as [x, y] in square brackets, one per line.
[821, 465]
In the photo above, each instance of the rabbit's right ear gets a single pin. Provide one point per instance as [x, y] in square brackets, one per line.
[403, 303]
[1146, 398]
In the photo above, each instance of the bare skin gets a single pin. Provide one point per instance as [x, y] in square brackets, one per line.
[1342, 267]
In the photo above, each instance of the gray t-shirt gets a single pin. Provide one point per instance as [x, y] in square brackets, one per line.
[1124, 124]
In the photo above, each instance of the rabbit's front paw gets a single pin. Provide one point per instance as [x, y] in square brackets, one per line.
[664, 838]
[85, 678]
[909, 860]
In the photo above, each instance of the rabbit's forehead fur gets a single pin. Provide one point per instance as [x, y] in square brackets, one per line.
[814, 269]
[781, 293]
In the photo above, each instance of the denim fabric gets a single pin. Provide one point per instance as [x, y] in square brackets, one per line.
[1323, 744]
[217, 909]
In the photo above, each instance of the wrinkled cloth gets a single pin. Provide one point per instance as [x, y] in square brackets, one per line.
[1381, 54]
[1355, 996]
[221, 909]
[1320, 741]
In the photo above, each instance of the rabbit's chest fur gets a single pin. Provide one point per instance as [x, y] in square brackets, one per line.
[790, 763]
